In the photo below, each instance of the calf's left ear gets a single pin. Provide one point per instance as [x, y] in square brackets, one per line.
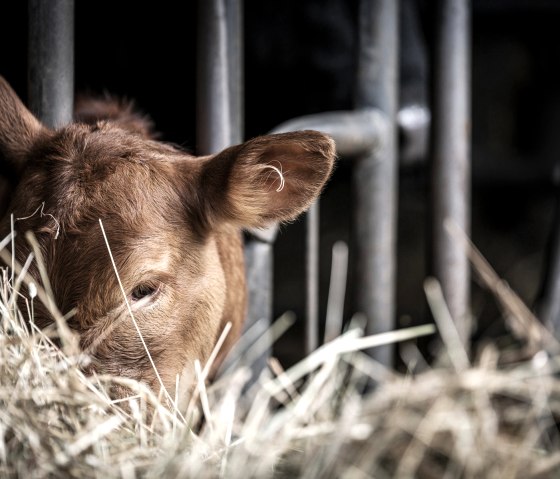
[19, 129]
[268, 179]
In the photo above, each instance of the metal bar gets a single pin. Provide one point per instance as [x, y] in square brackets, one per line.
[259, 254]
[234, 20]
[375, 174]
[220, 124]
[354, 132]
[451, 156]
[312, 279]
[413, 117]
[548, 304]
[51, 60]
[213, 86]
[357, 133]
[377, 80]
[259, 270]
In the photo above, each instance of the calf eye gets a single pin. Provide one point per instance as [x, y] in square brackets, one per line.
[143, 291]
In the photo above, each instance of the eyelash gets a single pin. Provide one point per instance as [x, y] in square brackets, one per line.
[145, 290]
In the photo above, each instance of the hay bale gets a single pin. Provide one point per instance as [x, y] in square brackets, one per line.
[485, 420]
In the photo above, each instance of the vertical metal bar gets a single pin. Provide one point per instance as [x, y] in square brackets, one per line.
[213, 87]
[450, 156]
[259, 257]
[220, 75]
[375, 175]
[51, 60]
[234, 18]
[220, 124]
[259, 269]
[548, 306]
[312, 279]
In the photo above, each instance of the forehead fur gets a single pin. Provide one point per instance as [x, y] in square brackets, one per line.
[87, 172]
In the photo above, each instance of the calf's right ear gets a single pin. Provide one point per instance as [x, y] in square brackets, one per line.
[18, 127]
[268, 179]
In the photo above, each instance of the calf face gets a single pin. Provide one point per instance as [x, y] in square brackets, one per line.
[172, 221]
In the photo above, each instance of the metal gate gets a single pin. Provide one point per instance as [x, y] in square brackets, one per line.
[367, 135]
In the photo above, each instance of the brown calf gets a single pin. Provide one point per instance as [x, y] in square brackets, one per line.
[173, 223]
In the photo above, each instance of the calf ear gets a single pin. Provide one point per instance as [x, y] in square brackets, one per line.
[268, 179]
[18, 127]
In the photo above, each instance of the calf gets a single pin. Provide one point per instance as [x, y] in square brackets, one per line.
[172, 220]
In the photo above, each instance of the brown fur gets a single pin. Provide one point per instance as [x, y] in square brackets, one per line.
[173, 222]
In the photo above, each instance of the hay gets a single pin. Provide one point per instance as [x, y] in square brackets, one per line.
[454, 420]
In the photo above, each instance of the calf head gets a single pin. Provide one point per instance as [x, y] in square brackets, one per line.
[173, 225]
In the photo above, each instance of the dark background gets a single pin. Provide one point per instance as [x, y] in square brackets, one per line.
[300, 59]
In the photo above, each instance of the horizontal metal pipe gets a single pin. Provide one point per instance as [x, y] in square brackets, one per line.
[51, 60]
[355, 132]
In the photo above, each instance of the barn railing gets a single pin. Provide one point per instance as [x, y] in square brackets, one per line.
[51, 60]
[368, 134]
[451, 162]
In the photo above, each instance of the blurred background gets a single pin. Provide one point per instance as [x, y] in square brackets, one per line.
[300, 58]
